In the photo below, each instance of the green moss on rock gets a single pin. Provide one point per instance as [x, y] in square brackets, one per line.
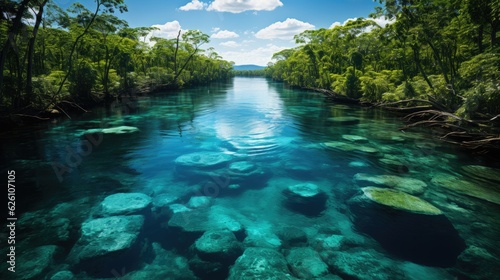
[400, 200]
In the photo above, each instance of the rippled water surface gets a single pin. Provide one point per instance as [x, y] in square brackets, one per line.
[281, 175]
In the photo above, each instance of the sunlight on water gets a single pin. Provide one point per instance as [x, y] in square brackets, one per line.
[250, 179]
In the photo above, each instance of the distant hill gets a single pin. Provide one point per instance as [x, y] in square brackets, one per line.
[248, 67]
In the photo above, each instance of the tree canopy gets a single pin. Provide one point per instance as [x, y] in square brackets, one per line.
[442, 51]
[82, 54]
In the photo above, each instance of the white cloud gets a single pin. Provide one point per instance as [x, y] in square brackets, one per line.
[225, 34]
[380, 21]
[338, 23]
[230, 44]
[259, 56]
[284, 30]
[193, 5]
[168, 30]
[238, 6]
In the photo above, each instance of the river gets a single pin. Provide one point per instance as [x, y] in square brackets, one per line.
[291, 183]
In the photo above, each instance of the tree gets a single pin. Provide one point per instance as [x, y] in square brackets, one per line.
[193, 39]
[13, 15]
[38, 9]
[87, 18]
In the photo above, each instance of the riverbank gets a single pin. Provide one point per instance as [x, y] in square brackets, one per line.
[480, 137]
[70, 108]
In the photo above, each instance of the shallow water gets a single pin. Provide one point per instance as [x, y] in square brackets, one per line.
[280, 137]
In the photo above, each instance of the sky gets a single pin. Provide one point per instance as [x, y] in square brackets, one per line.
[242, 31]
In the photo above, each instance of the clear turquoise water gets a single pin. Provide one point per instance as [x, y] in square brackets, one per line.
[280, 130]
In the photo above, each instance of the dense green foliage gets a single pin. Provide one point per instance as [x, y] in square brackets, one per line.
[445, 51]
[250, 73]
[50, 55]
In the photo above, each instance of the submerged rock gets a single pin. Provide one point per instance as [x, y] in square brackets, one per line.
[464, 187]
[306, 263]
[40, 226]
[358, 164]
[343, 120]
[246, 175]
[204, 160]
[262, 235]
[364, 265]
[406, 226]
[166, 265]
[355, 138]
[208, 270]
[218, 246]
[328, 244]
[215, 250]
[350, 147]
[63, 275]
[242, 167]
[200, 163]
[198, 221]
[394, 165]
[34, 263]
[124, 204]
[305, 198]
[482, 172]
[408, 185]
[476, 263]
[388, 136]
[260, 263]
[292, 236]
[60, 222]
[199, 202]
[164, 200]
[400, 201]
[113, 130]
[107, 243]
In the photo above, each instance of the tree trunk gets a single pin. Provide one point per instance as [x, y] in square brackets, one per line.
[10, 42]
[175, 53]
[416, 57]
[31, 51]
[480, 32]
[495, 26]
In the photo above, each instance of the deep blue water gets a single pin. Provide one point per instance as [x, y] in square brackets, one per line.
[284, 137]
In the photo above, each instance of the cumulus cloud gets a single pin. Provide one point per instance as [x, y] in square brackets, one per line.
[168, 30]
[381, 21]
[239, 6]
[225, 34]
[284, 30]
[193, 5]
[230, 44]
[259, 56]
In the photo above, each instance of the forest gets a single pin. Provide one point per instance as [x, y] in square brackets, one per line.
[56, 60]
[438, 61]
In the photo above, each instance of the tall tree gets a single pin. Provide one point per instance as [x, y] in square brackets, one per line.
[13, 14]
[37, 8]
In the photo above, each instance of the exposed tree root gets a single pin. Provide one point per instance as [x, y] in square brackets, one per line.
[335, 96]
[468, 134]
[73, 104]
[30, 116]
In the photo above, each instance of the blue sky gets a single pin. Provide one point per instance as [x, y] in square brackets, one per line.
[243, 31]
